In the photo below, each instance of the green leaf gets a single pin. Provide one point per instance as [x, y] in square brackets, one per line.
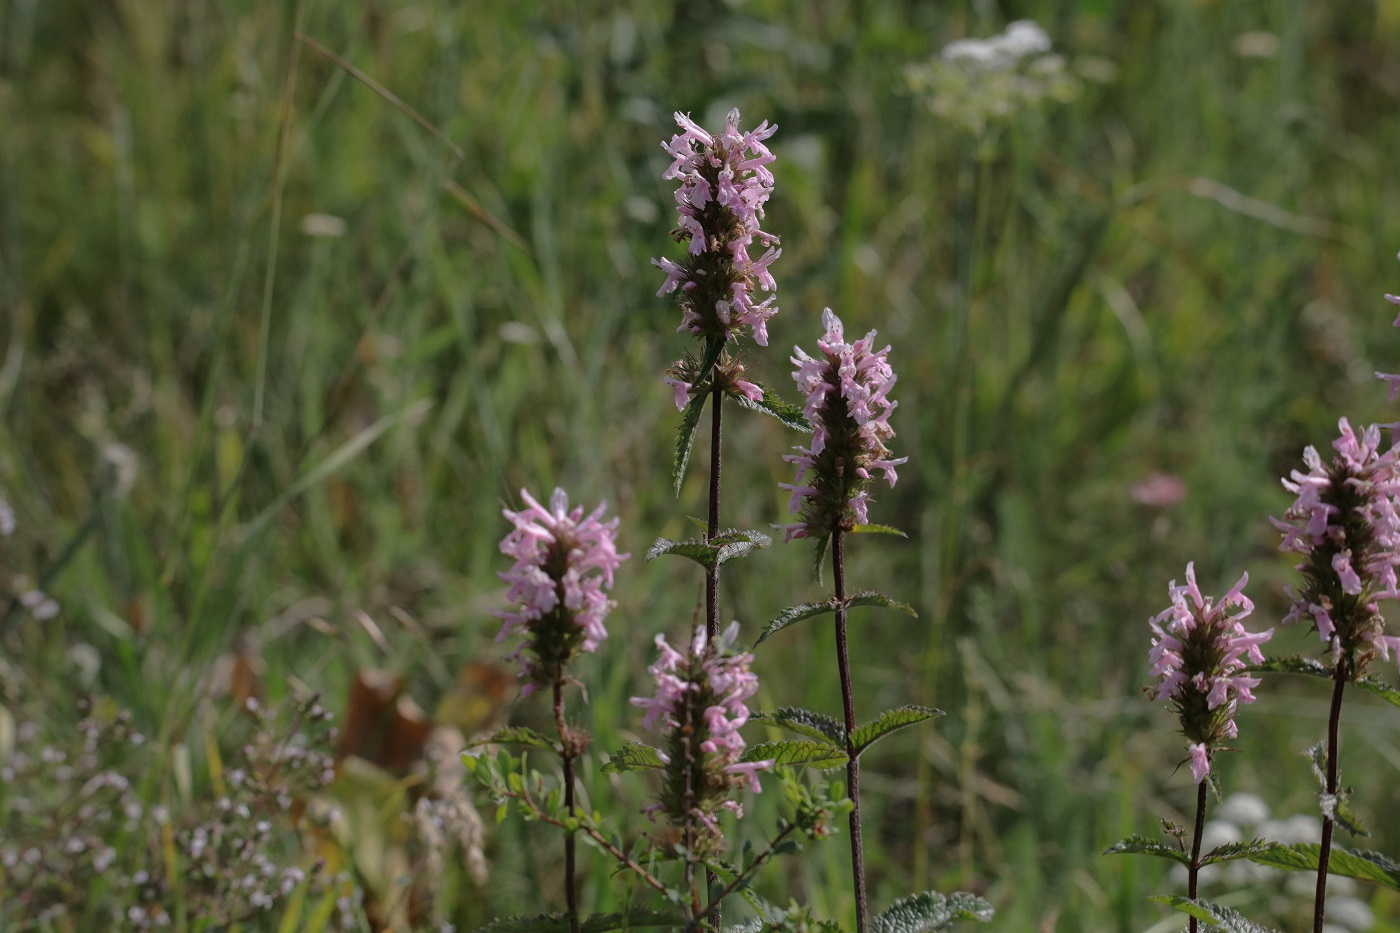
[685, 437]
[794, 614]
[515, 735]
[872, 598]
[891, 720]
[1381, 689]
[1361, 864]
[805, 722]
[1294, 665]
[718, 551]
[772, 404]
[1141, 845]
[821, 755]
[877, 530]
[1315, 668]
[930, 911]
[634, 756]
[1217, 915]
[1231, 851]
[597, 923]
[694, 548]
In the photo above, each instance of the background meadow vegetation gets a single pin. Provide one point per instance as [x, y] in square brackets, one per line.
[273, 357]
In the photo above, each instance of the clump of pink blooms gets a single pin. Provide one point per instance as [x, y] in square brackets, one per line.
[700, 704]
[845, 388]
[724, 183]
[1199, 649]
[564, 563]
[1344, 522]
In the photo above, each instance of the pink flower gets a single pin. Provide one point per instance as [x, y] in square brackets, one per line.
[846, 398]
[724, 183]
[1345, 522]
[563, 564]
[700, 704]
[1199, 649]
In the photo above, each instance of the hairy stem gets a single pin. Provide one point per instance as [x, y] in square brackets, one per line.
[1324, 854]
[742, 878]
[712, 528]
[838, 572]
[604, 843]
[712, 578]
[566, 752]
[1195, 867]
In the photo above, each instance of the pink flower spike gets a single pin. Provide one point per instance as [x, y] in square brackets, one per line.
[563, 564]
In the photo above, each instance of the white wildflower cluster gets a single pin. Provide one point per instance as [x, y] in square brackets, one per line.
[975, 82]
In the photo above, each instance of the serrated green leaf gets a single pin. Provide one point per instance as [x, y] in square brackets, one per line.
[773, 405]
[1231, 851]
[685, 438]
[735, 543]
[930, 911]
[1217, 915]
[872, 598]
[821, 755]
[891, 720]
[877, 530]
[634, 756]
[1381, 689]
[1141, 845]
[793, 614]
[805, 722]
[1362, 864]
[697, 550]
[718, 551]
[515, 735]
[1294, 665]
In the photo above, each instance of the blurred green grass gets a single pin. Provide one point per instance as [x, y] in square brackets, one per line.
[1179, 271]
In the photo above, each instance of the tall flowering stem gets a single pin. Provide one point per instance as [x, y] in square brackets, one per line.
[724, 182]
[845, 389]
[699, 705]
[1345, 524]
[564, 563]
[1200, 649]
